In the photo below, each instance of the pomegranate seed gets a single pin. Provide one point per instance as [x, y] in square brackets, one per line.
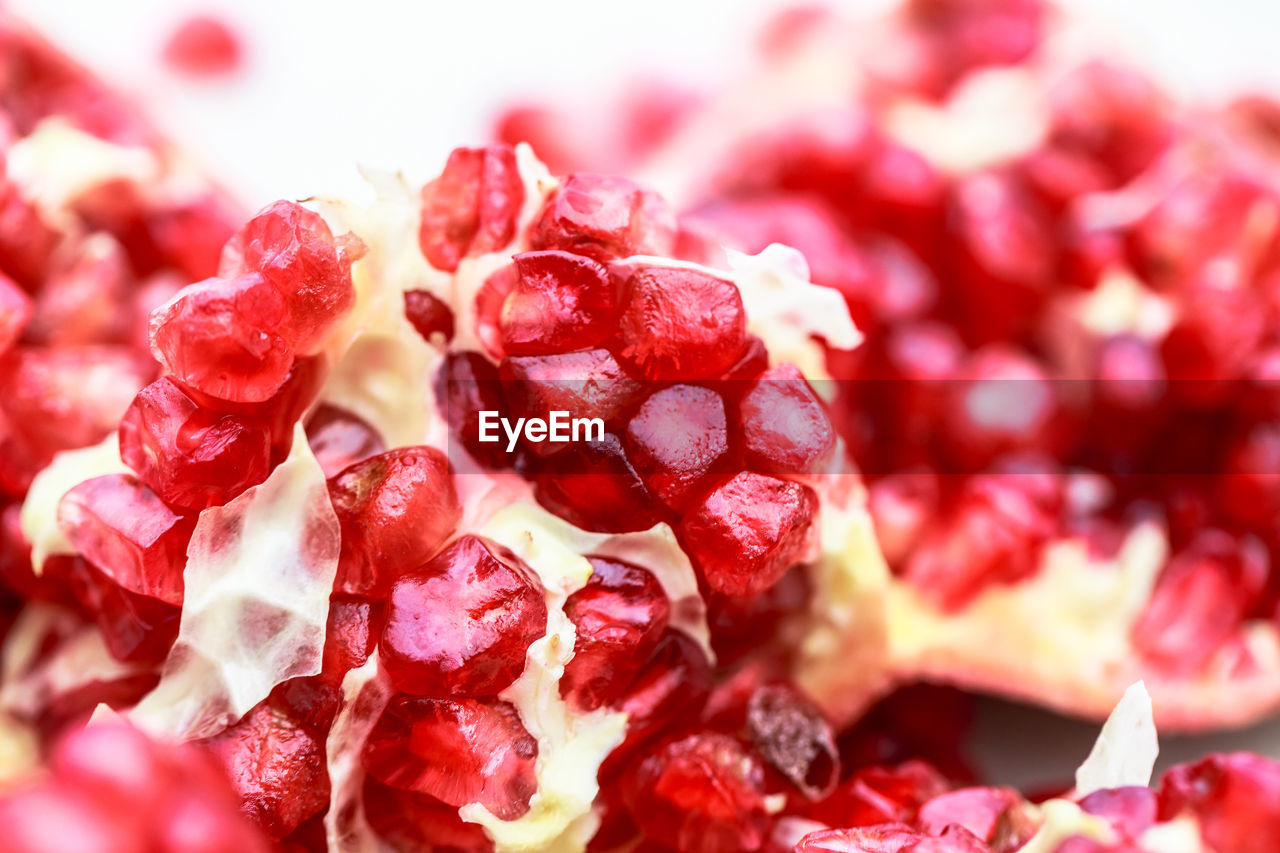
[396, 510]
[993, 535]
[604, 218]
[351, 634]
[428, 315]
[876, 795]
[1233, 797]
[294, 250]
[1130, 810]
[979, 810]
[471, 208]
[408, 820]
[190, 235]
[676, 440]
[785, 428]
[203, 46]
[744, 535]
[1200, 599]
[223, 338]
[793, 737]
[594, 486]
[620, 615]
[560, 302]
[191, 457]
[26, 242]
[15, 312]
[82, 298]
[739, 624]
[136, 628]
[484, 607]
[125, 530]
[276, 762]
[589, 384]
[457, 750]
[1001, 403]
[67, 397]
[701, 794]
[681, 324]
[340, 439]
[467, 385]
[672, 687]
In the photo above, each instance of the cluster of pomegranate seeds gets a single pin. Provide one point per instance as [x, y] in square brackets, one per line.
[109, 787]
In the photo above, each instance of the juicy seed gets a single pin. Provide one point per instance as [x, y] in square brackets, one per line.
[560, 302]
[294, 250]
[1235, 797]
[1202, 596]
[681, 324]
[677, 440]
[876, 795]
[351, 634]
[785, 428]
[701, 794]
[428, 314]
[744, 535]
[396, 510]
[224, 339]
[471, 208]
[340, 439]
[15, 311]
[192, 457]
[136, 628]
[594, 486]
[408, 820]
[125, 530]
[460, 624]
[457, 750]
[620, 615]
[466, 385]
[605, 218]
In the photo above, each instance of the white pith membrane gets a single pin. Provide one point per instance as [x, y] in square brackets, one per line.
[1061, 639]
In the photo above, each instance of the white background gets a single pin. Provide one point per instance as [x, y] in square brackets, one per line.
[397, 84]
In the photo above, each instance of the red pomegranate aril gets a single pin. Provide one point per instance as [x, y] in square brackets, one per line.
[1201, 598]
[993, 535]
[466, 385]
[15, 311]
[294, 250]
[428, 315]
[1001, 403]
[745, 534]
[588, 384]
[339, 438]
[276, 764]
[125, 530]
[408, 820]
[461, 623]
[901, 507]
[471, 208]
[740, 624]
[1249, 489]
[876, 795]
[136, 628]
[620, 615]
[701, 794]
[676, 440]
[605, 218]
[560, 302]
[667, 694]
[191, 457]
[223, 338]
[190, 235]
[784, 426]
[1233, 797]
[396, 509]
[203, 46]
[680, 324]
[65, 397]
[351, 634]
[982, 811]
[459, 751]
[84, 299]
[1130, 810]
[594, 486]
[27, 243]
